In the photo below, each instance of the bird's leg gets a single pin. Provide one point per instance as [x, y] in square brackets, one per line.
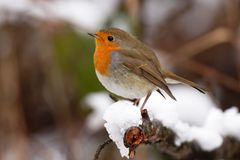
[136, 101]
[145, 100]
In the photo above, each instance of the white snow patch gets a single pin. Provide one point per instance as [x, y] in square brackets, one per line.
[120, 116]
[193, 117]
[226, 123]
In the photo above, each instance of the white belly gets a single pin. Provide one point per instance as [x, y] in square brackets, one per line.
[126, 86]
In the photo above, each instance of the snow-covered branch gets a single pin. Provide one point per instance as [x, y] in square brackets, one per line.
[154, 133]
[190, 126]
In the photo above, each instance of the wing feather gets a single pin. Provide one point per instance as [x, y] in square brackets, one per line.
[145, 69]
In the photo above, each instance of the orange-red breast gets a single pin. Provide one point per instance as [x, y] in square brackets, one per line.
[128, 68]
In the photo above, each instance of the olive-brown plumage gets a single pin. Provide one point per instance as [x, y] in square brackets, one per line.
[129, 68]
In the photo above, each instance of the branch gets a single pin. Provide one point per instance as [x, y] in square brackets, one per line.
[206, 71]
[211, 39]
[197, 46]
[153, 132]
[100, 148]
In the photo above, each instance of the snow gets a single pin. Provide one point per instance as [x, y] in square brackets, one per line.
[226, 123]
[193, 117]
[120, 116]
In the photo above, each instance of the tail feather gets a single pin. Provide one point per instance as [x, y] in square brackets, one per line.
[173, 76]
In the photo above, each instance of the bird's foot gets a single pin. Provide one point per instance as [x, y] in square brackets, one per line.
[135, 101]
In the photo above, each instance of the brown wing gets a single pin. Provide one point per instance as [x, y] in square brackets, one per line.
[171, 75]
[144, 68]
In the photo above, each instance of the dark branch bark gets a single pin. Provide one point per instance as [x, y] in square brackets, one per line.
[100, 148]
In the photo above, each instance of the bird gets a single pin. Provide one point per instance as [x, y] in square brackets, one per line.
[129, 68]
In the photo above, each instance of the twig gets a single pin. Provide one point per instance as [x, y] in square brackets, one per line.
[211, 72]
[211, 39]
[100, 148]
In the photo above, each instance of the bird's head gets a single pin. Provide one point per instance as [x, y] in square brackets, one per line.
[114, 38]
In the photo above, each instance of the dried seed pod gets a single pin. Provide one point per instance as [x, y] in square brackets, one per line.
[132, 138]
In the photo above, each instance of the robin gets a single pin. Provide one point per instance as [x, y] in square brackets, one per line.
[128, 68]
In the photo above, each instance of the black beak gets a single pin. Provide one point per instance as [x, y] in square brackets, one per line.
[93, 35]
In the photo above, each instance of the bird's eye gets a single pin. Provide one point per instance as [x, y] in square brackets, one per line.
[110, 38]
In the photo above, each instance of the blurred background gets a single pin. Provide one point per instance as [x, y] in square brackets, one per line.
[46, 66]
